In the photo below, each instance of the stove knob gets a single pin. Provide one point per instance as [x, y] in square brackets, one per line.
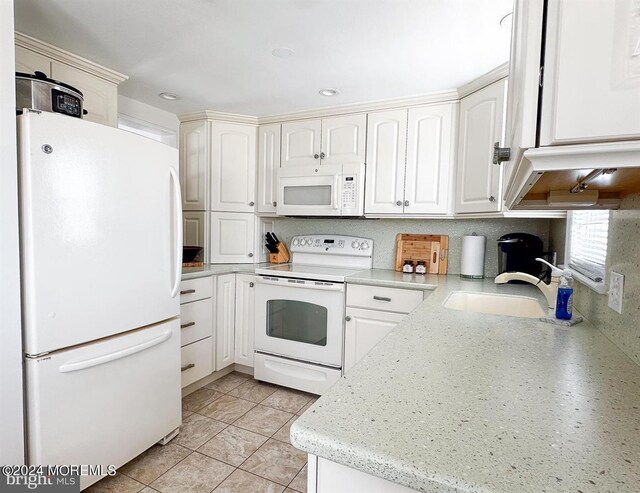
[303, 241]
[355, 245]
[296, 242]
[309, 241]
[364, 246]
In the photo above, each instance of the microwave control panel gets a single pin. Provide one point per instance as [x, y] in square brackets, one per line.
[343, 245]
[349, 192]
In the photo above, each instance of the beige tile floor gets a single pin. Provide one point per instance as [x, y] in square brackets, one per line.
[234, 439]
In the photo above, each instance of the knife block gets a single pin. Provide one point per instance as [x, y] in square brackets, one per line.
[282, 257]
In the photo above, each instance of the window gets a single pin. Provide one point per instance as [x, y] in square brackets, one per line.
[587, 235]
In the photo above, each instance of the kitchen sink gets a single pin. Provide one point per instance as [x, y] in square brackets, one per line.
[496, 304]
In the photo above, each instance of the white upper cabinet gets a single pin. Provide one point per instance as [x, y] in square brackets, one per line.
[430, 140]
[194, 230]
[194, 165]
[233, 167]
[28, 61]
[100, 96]
[386, 152]
[335, 140]
[478, 185]
[591, 72]
[301, 143]
[232, 238]
[343, 139]
[268, 164]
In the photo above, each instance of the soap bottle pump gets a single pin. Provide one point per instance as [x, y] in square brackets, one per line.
[564, 300]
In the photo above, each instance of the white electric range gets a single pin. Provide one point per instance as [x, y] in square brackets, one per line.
[299, 324]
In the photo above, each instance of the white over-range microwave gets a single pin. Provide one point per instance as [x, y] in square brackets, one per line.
[323, 190]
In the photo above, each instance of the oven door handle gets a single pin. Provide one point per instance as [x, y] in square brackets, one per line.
[306, 284]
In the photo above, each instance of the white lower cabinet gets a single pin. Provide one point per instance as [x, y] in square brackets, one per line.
[232, 238]
[372, 312]
[196, 329]
[363, 330]
[194, 230]
[244, 319]
[225, 320]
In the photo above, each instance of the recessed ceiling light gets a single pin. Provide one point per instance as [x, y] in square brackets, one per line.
[328, 92]
[169, 96]
[506, 21]
[283, 52]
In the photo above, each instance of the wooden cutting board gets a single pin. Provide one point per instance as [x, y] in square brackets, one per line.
[432, 249]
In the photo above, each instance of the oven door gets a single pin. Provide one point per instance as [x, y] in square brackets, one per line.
[300, 319]
[309, 191]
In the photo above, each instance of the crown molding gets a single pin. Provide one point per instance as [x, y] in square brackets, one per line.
[218, 116]
[60, 55]
[450, 95]
[498, 73]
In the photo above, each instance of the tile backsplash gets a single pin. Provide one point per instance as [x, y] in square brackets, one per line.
[623, 257]
[384, 231]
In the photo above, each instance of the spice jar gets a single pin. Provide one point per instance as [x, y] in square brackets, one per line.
[407, 268]
[421, 267]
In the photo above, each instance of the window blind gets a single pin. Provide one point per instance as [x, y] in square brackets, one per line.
[589, 231]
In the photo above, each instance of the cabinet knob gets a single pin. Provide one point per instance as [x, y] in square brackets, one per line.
[406, 203]
[250, 255]
[399, 203]
[316, 156]
[252, 203]
[492, 199]
[347, 318]
[322, 155]
[500, 154]
[275, 203]
[251, 284]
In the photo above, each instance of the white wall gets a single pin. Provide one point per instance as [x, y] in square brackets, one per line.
[11, 403]
[134, 111]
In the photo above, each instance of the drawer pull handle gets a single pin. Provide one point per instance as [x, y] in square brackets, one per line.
[188, 367]
[188, 291]
[381, 298]
[188, 324]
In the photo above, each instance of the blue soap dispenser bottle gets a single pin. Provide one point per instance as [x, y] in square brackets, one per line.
[564, 300]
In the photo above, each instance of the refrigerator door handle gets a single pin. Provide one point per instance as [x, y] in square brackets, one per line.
[122, 353]
[177, 231]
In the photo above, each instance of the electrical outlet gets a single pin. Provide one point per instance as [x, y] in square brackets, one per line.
[616, 291]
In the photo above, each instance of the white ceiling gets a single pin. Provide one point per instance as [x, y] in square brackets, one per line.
[216, 54]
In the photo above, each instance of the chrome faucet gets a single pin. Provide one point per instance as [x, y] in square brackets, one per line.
[550, 290]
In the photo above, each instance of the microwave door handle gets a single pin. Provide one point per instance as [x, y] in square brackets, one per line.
[336, 192]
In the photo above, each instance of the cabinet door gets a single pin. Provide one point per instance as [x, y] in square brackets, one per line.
[363, 330]
[194, 230]
[343, 139]
[225, 299]
[232, 238]
[478, 185]
[430, 140]
[100, 96]
[386, 153]
[244, 323]
[301, 143]
[194, 165]
[524, 70]
[591, 72]
[233, 167]
[28, 61]
[268, 164]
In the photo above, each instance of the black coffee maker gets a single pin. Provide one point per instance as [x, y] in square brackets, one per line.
[517, 252]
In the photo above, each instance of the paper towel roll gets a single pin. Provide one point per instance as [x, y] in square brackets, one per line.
[473, 248]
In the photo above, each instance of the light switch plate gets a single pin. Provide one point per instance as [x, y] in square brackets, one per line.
[616, 291]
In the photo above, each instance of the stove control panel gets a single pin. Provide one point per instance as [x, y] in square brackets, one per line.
[335, 244]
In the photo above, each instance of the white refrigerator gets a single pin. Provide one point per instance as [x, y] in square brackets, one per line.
[101, 246]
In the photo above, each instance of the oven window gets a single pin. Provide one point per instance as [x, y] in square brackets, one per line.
[308, 195]
[297, 321]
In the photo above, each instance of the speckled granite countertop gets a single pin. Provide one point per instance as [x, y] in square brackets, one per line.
[218, 269]
[455, 401]
[392, 279]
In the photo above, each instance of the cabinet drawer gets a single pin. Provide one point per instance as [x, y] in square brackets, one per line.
[196, 321]
[387, 299]
[196, 289]
[196, 361]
